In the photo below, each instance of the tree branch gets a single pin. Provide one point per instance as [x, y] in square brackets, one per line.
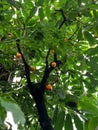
[27, 67]
[64, 18]
[47, 71]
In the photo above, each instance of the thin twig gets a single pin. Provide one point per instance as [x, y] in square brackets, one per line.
[73, 34]
[55, 57]
[47, 56]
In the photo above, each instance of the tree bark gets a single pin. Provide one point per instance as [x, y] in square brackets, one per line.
[44, 119]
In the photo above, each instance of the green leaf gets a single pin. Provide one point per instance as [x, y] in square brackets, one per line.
[2, 115]
[93, 123]
[96, 29]
[31, 13]
[93, 63]
[68, 123]
[41, 13]
[14, 3]
[78, 122]
[55, 112]
[86, 125]
[80, 34]
[14, 108]
[71, 99]
[60, 93]
[59, 120]
[88, 36]
[92, 51]
[89, 105]
[79, 2]
[39, 3]
[93, 6]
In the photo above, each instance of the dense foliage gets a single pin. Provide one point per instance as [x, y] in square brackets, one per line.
[70, 29]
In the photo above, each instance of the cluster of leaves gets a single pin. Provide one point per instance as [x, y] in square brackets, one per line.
[74, 98]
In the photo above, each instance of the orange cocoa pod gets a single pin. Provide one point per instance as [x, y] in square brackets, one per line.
[32, 68]
[49, 87]
[53, 64]
[51, 51]
[18, 55]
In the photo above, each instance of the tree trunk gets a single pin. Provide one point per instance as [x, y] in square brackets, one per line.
[44, 119]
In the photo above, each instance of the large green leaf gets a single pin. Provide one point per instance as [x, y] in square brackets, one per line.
[55, 112]
[93, 123]
[59, 121]
[2, 115]
[14, 108]
[89, 105]
[92, 51]
[86, 126]
[78, 122]
[68, 123]
[88, 36]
